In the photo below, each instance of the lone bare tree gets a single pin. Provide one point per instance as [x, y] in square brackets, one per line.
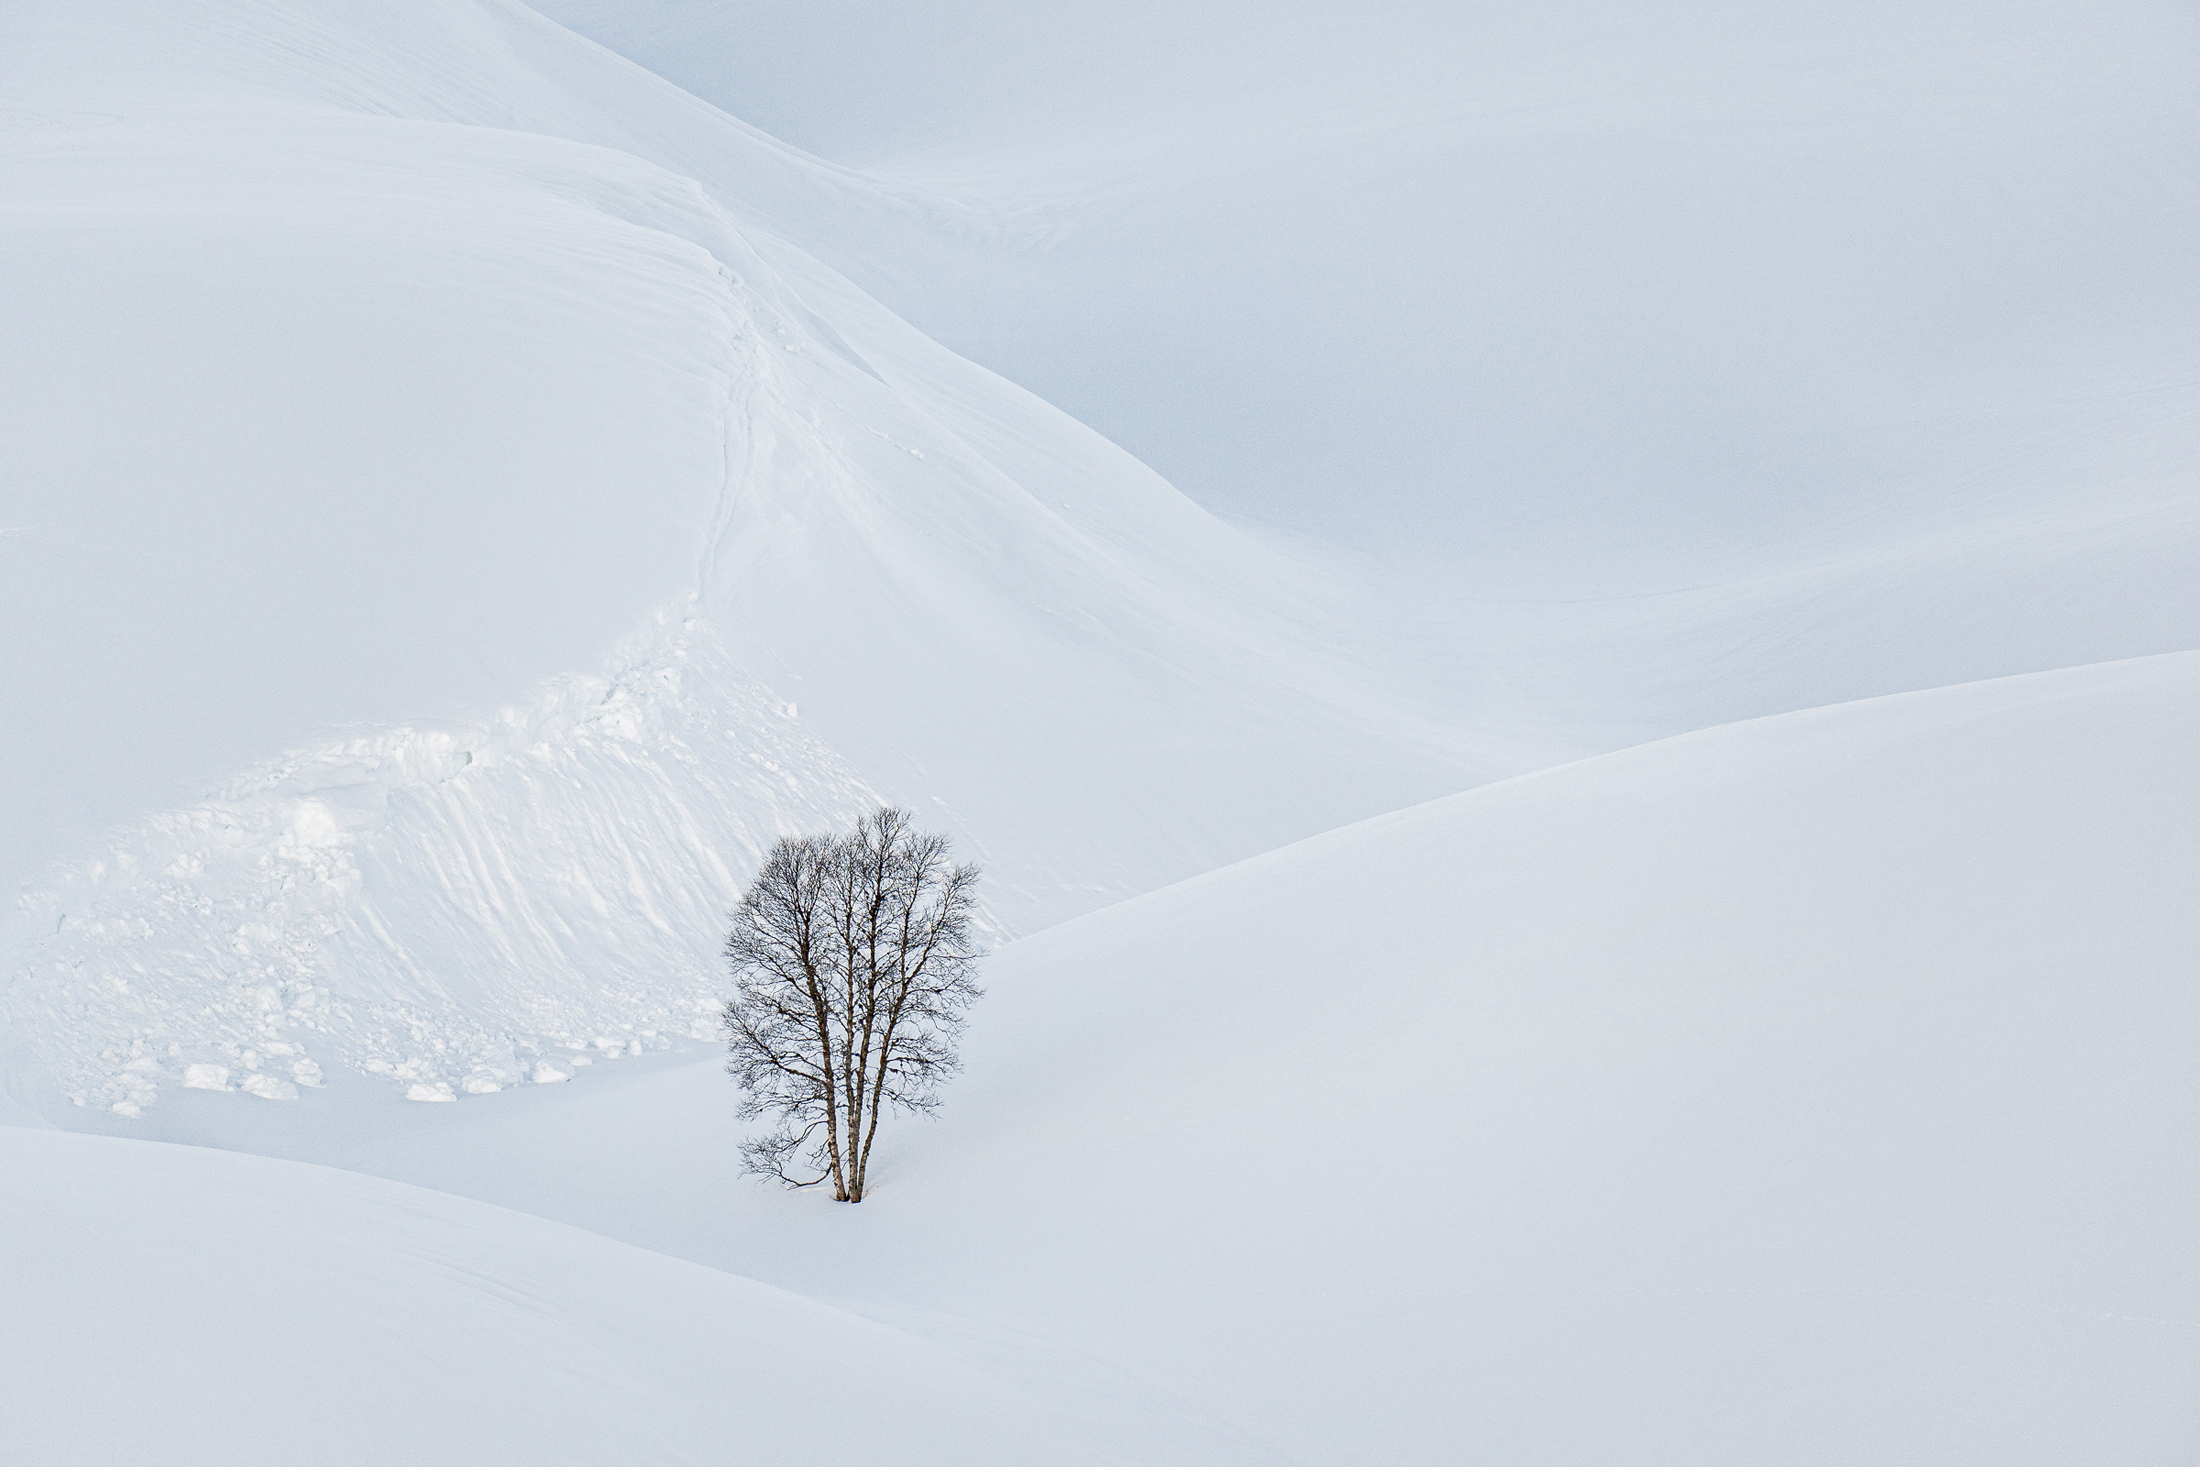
[852, 960]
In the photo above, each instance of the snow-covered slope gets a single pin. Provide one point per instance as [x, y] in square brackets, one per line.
[453, 514]
[449, 531]
[1698, 360]
[453, 519]
[1811, 1090]
[185, 1305]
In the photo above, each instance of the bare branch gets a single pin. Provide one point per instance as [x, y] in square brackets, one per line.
[852, 959]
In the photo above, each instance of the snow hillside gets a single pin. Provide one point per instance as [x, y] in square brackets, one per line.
[456, 520]
[453, 531]
[1816, 1089]
[196, 1306]
[462, 496]
[1671, 364]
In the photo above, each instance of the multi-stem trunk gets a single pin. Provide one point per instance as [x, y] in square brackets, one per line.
[851, 1101]
[832, 1144]
[821, 1008]
[864, 1115]
[859, 1145]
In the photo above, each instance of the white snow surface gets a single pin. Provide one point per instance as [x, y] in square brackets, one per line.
[1814, 1089]
[276, 1312]
[1663, 365]
[454, 522]
[451, 521]
[452, 534]
[1566, 299]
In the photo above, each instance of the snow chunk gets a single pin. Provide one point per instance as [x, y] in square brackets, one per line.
[547, 1073]
[434, 1090]
[306, 1072]
[313, 826]
[206, 1077]
[267, 1087]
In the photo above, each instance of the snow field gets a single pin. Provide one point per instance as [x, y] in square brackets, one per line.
[456, 516]
[463, 426]
[583, 340]
[1807, 1089]
[196, 1306]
